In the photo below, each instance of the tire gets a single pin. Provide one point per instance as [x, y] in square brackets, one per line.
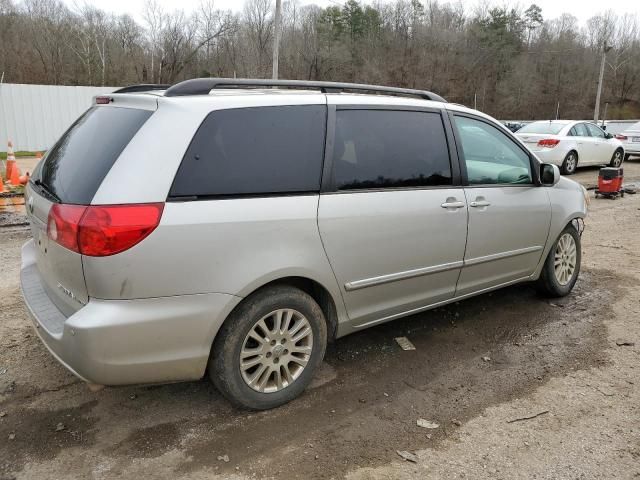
[275, 360]
[550, 282]
[570, 163]
[617, 159]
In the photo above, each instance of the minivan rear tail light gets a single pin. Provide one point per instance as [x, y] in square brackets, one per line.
[63, 224]
[102, 230]
[103, 100]
[621, 137]
[548, 142]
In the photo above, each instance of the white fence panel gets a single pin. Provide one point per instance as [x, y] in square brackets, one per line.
[34, 116]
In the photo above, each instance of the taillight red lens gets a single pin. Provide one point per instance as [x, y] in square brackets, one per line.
[548, 142]
[63, 224]
[621, 137]
[102, 230]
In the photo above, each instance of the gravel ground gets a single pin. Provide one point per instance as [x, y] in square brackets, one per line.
[481, 367]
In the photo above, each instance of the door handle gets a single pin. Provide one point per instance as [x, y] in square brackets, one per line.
[479, 203]
[452, 203]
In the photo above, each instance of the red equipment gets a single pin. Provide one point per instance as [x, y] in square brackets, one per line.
[610, 182]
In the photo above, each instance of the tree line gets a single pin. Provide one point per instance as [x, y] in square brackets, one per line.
[508, 61]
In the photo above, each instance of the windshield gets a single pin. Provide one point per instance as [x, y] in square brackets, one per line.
[543, 127]
[76, 165]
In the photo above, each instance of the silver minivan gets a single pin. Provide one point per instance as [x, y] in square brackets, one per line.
[236, 226]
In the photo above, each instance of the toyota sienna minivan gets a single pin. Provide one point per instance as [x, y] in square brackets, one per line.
[234, 227]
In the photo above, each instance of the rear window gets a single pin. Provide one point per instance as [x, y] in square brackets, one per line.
[543, 127]
[77, 164]
[254, 151]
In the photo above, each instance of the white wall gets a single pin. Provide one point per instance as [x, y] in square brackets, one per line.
[35, 116]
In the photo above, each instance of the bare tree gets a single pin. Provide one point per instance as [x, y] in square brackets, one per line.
[154, 17]
[258, 20]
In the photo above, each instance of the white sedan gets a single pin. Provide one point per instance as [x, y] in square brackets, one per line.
[630, 138]
[570, 144]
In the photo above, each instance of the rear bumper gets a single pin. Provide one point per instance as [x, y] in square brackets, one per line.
[120, 342]
[632, 149]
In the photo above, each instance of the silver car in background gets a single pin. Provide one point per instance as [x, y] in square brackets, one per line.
[570, 144]
[229, 227]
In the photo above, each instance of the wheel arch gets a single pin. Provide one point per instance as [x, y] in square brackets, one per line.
[554, 233]
[319, 292]
[573, 149]
[620, 149]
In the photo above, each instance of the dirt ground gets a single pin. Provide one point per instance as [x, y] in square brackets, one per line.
[480, 367]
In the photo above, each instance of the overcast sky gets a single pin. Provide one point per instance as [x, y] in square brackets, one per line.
[582, 9]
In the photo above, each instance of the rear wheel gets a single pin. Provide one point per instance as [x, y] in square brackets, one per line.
[562, 266]
[268, 349]
[570, 163]
[618, 157]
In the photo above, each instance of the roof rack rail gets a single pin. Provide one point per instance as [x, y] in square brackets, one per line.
[142, 87]
[202, 86]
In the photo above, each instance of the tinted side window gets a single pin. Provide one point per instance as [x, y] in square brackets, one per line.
[595, 131]
[387, 149]
[77, 164]
[490, 156]
[258, 150]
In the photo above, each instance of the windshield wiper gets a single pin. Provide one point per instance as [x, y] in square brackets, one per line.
[45, 189]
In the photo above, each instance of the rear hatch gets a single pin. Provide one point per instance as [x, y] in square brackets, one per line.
[70, 174]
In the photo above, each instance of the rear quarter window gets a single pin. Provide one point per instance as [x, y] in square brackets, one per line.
[76, 165]
[254, 151]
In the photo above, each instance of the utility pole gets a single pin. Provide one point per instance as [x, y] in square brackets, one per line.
[596, 112]
[276, 38]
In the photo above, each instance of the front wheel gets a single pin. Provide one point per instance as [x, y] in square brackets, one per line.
[268, 349]
[570, 163]
[617, 158]
[562, 266]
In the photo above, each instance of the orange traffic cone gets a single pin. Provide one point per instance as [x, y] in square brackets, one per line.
[11, 161]
[24, 179]
[15, 176]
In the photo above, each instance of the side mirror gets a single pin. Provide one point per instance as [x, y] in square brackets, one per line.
[608, 135]
[549, 174]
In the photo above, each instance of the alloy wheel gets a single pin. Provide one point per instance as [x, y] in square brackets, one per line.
[276, 350]
[617, 159]
[565, 259]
